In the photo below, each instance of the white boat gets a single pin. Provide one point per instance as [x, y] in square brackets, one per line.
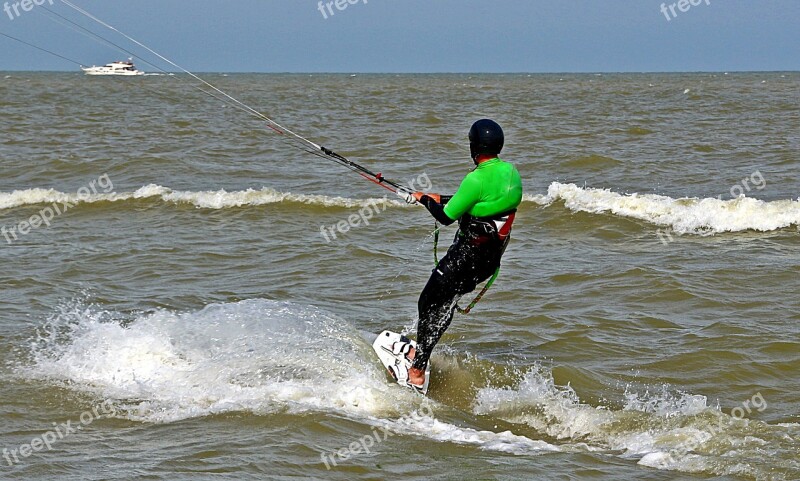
[113, 68]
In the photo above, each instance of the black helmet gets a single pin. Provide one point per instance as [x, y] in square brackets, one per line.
[485, 137]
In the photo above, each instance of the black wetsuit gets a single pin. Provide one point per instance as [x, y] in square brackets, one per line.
[472, 258]
[484, 205]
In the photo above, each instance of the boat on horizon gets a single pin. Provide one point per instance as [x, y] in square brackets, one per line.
[114, 68]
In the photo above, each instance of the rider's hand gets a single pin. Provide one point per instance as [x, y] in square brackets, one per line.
[408, 197]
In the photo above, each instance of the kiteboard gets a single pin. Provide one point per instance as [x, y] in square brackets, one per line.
[392, 349]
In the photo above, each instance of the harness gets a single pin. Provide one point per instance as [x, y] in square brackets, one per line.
[479, 231]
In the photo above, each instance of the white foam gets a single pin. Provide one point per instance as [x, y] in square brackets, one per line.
[219, 199]
[684, 216]
[664, 430]
[431, 428]
[222, 199]
[541, 199]
[643, 426]
[690, 463]
[256, 356]
[666, 403]
[556, 411]
[259, 356]
[269, 357]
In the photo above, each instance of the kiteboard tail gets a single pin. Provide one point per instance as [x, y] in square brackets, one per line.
[393, 350]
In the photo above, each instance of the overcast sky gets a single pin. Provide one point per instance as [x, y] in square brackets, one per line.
[421, 35]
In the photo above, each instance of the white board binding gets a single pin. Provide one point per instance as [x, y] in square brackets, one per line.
[398, 365]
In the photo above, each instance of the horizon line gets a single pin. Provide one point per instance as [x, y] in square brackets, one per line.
[354, 72]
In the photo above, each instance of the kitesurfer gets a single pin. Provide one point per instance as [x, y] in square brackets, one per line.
[485, 206]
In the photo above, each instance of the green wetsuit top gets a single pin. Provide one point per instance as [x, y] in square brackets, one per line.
[493, 188]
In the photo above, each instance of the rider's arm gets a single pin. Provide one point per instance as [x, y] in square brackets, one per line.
[448, 210]
[435, 205]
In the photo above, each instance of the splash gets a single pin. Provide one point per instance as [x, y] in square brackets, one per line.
[260, 356]
[256, 356]
[664, 429]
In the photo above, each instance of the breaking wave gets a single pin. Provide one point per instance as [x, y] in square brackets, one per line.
[219, 199]
[683, 216]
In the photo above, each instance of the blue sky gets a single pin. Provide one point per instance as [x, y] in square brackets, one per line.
[423, 35]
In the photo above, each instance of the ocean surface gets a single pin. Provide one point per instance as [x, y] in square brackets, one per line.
[187, 296]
